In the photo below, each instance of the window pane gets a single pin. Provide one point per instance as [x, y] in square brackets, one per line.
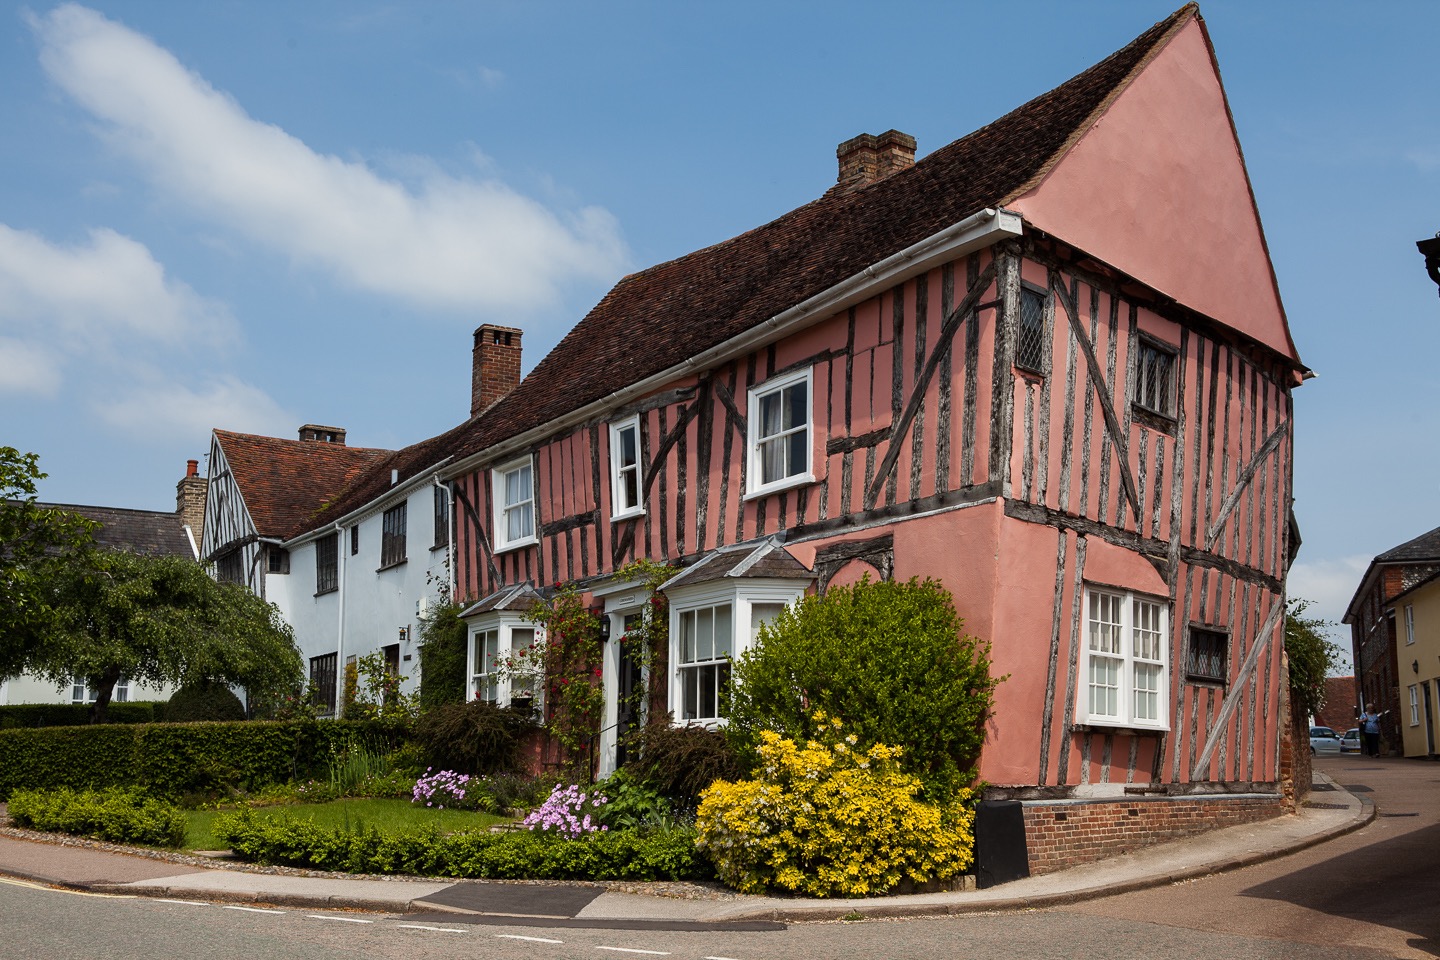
[708, 678]
[690, 680]
[772, 460]
[762, 613]
[799, 448]
[724, 633]
[796, 405]
[722, 687]
[769, 414]
[628, 453]
[687, 637]
[705, 634]
[631, 486]
[1104, 686]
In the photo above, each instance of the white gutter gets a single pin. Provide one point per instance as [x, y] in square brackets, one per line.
[391, 495]
[981, 229]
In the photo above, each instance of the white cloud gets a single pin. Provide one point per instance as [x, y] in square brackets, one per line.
[167, 409]
[28, 368]
[92, 294]
[447, 242]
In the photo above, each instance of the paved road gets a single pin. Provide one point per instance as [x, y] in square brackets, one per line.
[1378, 887]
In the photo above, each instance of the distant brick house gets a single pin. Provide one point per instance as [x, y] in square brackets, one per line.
[1394, 620]
[1341, 704]
[147, 532]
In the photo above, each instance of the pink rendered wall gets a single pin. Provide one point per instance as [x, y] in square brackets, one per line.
[1158, 188]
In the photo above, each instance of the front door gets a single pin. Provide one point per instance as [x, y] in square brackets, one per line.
[1429, 721]
[630, 687]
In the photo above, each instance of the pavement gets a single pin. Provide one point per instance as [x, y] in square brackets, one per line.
[74, 864]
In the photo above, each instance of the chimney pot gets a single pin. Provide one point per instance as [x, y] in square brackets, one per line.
[192, 468]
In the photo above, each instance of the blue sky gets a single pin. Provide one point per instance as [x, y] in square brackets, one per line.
[253, 215]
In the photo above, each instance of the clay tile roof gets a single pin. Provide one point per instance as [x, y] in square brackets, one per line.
[688, 305]
[373, 481]
[147, 532]
[286, 482]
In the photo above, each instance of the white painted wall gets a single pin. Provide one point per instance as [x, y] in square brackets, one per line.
[372, 606]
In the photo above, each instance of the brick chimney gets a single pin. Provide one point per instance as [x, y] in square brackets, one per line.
[190, 500]
[317, 433]
[495, 366]
[867, 158]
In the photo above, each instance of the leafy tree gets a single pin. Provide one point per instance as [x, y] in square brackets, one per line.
[443, 636]
[891, 659]
[160, 620]
[31, 537]
[1311, 657]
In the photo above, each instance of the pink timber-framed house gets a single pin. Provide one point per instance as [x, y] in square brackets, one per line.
[1046, 364]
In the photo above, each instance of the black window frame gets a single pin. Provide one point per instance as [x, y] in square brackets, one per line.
[1031, 330]
[1151, 353]
[277, 559]
[1207, 656]
[393, 526]
[442, 518]
[230, 567]
[327, 564]
[354, 539]
[323, 675]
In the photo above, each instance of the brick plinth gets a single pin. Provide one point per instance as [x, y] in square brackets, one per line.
[1067, 833]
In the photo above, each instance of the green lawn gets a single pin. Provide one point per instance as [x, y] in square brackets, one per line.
[398, 815]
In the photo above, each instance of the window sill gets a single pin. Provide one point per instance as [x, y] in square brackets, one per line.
[799, 480]
[391, 566]
[516, 545]
[439, 546]
[631, 514]
[321, 593]
[1163, 422]
[1100, 726]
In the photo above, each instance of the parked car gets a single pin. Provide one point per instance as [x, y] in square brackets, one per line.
[1350, 743]
[1323, 740]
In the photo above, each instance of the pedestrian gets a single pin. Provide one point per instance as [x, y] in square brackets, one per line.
[1370, 729]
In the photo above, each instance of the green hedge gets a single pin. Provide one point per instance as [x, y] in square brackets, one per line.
[511, 855]
[170, 760]
[76, 714]
[120, 815]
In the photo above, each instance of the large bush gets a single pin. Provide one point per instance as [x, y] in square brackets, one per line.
[890, 658]
[204, 700]
[680, 762]
[830, 819]
[474, 738]
[117, 814]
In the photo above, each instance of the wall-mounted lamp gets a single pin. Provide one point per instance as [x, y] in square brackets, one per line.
[1430, 250]
[404, 634]
[604, 618]
[1415, 665]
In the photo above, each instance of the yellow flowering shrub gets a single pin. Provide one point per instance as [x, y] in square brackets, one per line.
[831, 818]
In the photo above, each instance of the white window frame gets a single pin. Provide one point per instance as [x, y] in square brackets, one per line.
[741, 598]
[620, 509]
[80, 691]
[505, 625]
[502, 509]
[1414, 704]
[1409, 624]
[1117, 617]
[797, 477]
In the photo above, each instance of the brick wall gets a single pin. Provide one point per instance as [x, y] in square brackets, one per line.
[1067, 833]
[495, 366]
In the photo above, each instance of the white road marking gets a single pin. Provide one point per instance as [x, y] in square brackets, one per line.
[188, 903]
[718, 958]
[253, 909]
[418, 926]
[317, 916]
[516, 936]
[653, 953]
